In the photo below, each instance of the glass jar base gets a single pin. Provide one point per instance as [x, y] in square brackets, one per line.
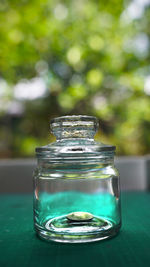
[60, 229]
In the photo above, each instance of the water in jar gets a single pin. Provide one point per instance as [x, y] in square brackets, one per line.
[71, 207]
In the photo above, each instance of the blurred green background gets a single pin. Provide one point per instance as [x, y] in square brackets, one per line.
[74, 57]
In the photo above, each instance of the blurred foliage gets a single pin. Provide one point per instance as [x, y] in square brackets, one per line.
[92, 56]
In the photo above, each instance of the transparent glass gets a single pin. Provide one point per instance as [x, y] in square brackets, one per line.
[76, 186]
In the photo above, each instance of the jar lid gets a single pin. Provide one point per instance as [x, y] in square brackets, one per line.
[75, 140]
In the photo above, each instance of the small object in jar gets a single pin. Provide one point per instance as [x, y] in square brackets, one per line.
[79, 216]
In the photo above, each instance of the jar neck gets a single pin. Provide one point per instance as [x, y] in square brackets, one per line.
[106, 159]
[65, 165]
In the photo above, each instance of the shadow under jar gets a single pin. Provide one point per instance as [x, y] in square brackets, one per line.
[76, 186]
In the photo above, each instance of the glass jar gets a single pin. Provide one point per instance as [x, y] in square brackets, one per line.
[76, 186]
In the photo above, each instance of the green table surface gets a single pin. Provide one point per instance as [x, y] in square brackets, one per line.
[19, 246]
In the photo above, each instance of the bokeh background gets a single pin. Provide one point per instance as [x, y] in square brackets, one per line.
[74, 57]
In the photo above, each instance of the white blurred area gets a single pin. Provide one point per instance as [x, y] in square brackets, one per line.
[135, 10]
[30, 89]
[147, 85]
[12, 98]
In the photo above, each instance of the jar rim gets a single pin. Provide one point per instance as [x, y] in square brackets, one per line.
[75, 126]
[74, 118]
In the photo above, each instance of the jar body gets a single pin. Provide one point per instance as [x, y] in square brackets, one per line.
[76, 202]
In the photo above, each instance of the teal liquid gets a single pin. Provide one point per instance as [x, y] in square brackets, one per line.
[59, 204]
[54, 200]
